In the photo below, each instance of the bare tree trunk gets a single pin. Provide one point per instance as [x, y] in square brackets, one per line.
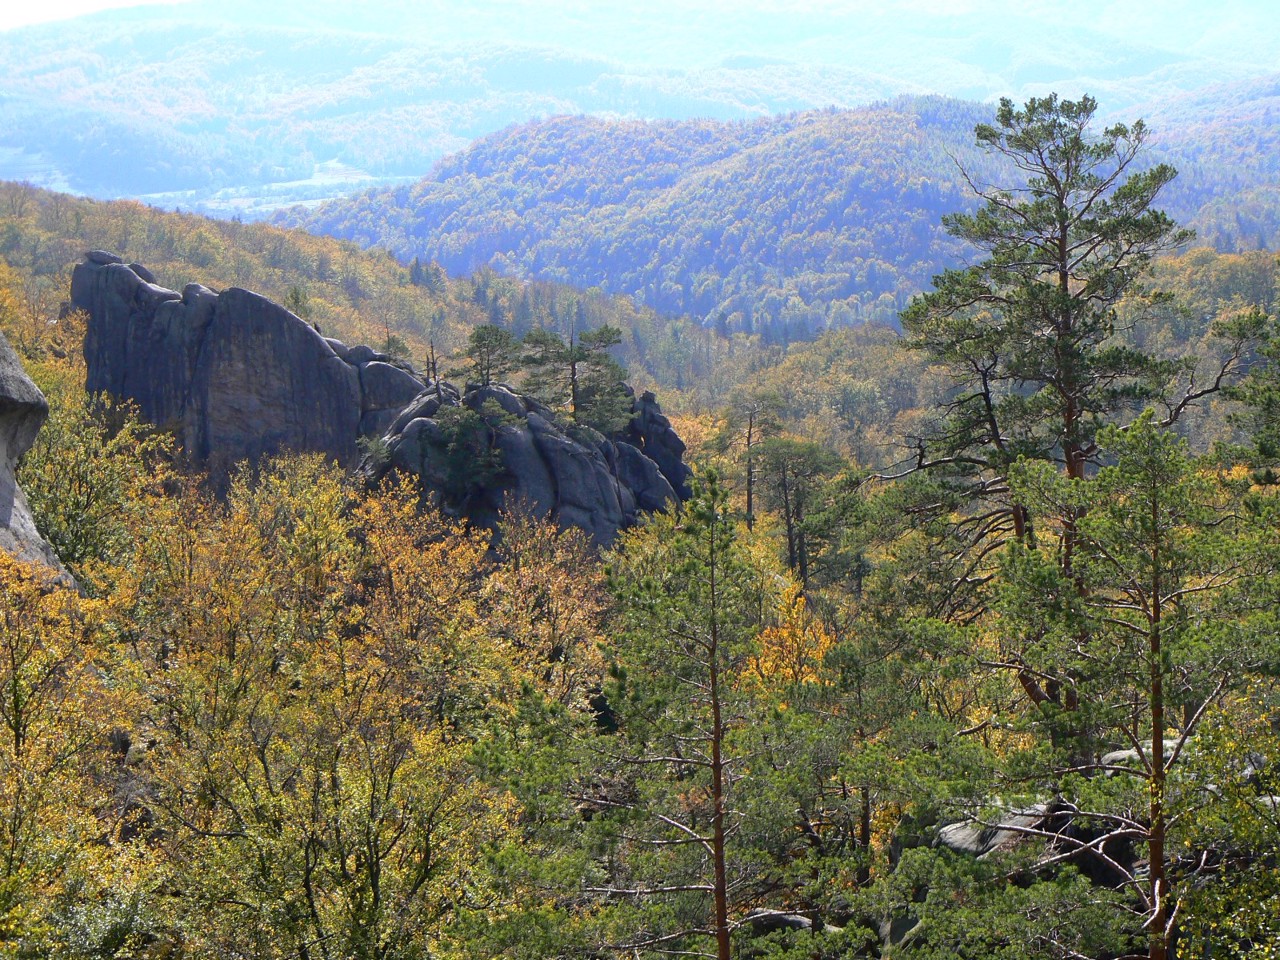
[1159, 936]
[751, 514]
[720, 882]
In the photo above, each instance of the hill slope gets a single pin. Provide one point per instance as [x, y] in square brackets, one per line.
[355, 295]
[783, 226]
[780, 226]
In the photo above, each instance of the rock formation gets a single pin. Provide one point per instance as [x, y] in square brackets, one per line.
[235, 374]
[23, 411]
[239, 377]
[573, 474]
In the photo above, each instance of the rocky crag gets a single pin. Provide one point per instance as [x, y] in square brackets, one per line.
[239, 377]
[23, 411]
[571, 473]
[236, 375]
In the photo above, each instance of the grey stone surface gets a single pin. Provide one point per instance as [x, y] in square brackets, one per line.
[375, 423]
[23, 411]
[424, 405]
[642, 477]
[650, 432]
[240, 377]
[387, 387]
[979, 839]
[1132, 759]
[235, 374]
[266, 383]
[502, 395]
[571, 474]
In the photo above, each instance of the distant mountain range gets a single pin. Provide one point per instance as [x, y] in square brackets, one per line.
[236, 106]
[782, 226]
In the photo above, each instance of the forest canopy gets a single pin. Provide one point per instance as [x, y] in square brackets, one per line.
[963, 647]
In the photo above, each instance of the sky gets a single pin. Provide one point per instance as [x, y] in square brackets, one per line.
[47, 10]
[1169, 21]
[1223, 28]
[487, 63]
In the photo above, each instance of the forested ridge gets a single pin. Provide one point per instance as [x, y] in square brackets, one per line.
[963, 647]
[356, 295]
[781, 227]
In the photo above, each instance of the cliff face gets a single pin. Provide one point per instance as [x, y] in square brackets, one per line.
[239, 377]
[23, 411]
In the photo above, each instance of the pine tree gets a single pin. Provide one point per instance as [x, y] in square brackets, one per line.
[692, 604]
[1158, 625]
[493, 353]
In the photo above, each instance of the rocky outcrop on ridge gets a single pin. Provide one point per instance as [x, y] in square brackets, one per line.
[239, 377]
[23, 411]
[573, 474]
[236, 375]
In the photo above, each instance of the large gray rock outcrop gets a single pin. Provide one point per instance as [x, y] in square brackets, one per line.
[650, 432]
[23, 411]
[237, 375]
[572, 474]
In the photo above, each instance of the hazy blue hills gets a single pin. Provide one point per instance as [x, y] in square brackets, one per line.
[781, 226]
[235, 106]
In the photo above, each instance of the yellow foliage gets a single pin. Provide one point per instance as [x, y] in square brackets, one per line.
[791, 650]
[57, 704]
[314, 665]
[546, 599]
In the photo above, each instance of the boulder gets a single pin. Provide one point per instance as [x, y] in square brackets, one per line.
[1132, 759]
[236, 375]
[387, 387]
[523, 460]
[572, 474]
[424, 405]
[586, 491]
[642, 477]
[143, 272]
[982, 839]
[761, 921]
[1057, 827]
[500, 394]
[651, 433]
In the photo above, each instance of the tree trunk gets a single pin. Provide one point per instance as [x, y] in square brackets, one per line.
[720, 883]
[864, 837]
[802, 551]
[751, 514]
[792, 561]
[1155, 846]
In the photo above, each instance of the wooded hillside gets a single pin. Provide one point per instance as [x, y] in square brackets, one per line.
[780, 227]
